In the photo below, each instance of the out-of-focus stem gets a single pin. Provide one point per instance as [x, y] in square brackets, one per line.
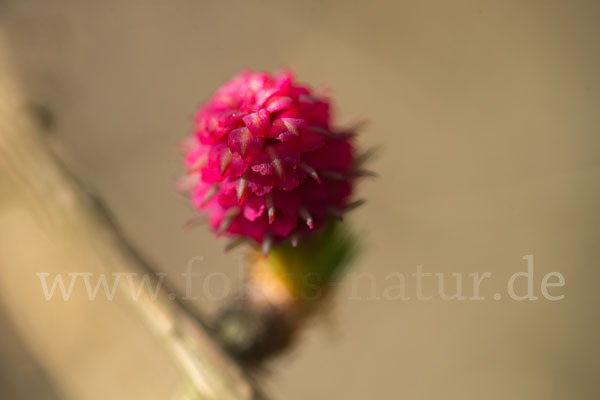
[57, 209]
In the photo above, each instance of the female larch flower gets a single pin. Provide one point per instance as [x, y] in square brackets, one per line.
[264, 161]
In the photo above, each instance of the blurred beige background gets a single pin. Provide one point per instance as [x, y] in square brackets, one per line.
[488, 113]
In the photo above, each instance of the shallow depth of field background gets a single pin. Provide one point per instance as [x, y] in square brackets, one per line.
[488, 115]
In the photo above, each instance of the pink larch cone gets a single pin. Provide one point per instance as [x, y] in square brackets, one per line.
[264, 161]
